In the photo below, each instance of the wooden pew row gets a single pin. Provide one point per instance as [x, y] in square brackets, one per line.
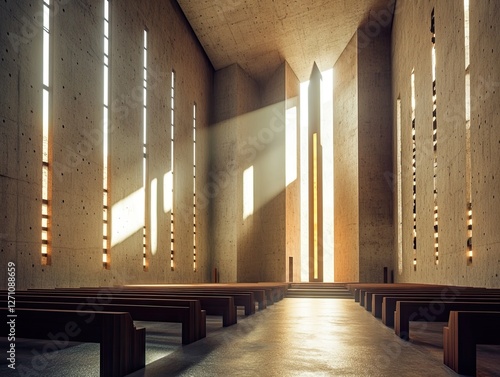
[364, 292]
[389, 303]
[274, 291]
[465, 330]
[122, 345]
[407, 311]
[260, 295]
[378, 298]
[445, 292]
[213, 305]
[191, 330]
[356, 288]
[245, 299]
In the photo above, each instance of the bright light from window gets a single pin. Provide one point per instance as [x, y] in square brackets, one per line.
[327, 147]
[248, 192]
[315, 202]
[167, 192]
[154, 216]
[327, 163]
[291, 145]
[45, 237]
[127, 217]
[105, 201]
[304, 181]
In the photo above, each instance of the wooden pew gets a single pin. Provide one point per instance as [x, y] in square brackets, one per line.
[241, 298]
[122, 346]
[447, 295]
[213, 305]
[265, 293]
[153, 313]
[389, 303]
[357, 289]
[407, 311]
[446, 291]
[465, 330]
[366, 293]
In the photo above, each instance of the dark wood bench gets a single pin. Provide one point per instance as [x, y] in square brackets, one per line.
[465, 330]
[389, 303]
[122, 345]
[213, 305]
[197, 315]
[445, 292]
[358, 289]
[366, 294]
[264, 293]
[377, 298]
[243, 299]
[153, 313]
[407, 311]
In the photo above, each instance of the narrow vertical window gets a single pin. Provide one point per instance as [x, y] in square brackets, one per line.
[414, 168]
[194, 187]
[434, 139]
[144, 150]
[172, 118]
[468, 162]
[399, 187]
[248, 192]
[315, 203]
[46, 173]
[105, 142]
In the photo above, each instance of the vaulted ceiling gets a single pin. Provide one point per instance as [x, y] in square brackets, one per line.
[260, 34]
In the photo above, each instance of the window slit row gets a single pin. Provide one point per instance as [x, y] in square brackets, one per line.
[46, 142]
[414, 169]
[468, 164]
[434, 141]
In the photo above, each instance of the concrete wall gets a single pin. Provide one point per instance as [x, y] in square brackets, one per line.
[76, 140]
[345, 149]
[249, 135]
[235, 94]
[375, 158]
[411, 49]
[362, 157]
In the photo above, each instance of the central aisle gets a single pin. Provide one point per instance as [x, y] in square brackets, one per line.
[303, 337]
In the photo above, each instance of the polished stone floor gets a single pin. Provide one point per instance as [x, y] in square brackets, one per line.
[310, 337]
[294, 337]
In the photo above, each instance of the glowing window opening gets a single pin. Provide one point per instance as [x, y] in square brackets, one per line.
[414, 168]
[144, 150]
[434, 139]
[468, 163]
[248, 192]
[328, 172]
[105, 141]
[46, 172]
[172, 120]
[315, 203]
[194, 187]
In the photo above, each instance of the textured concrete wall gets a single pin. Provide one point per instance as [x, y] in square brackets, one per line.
[345, 149]
[374, 157]
[269, 168]
[235, 94]
[363, 157]
[411, 37]
[249, 133]
[76, 139]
